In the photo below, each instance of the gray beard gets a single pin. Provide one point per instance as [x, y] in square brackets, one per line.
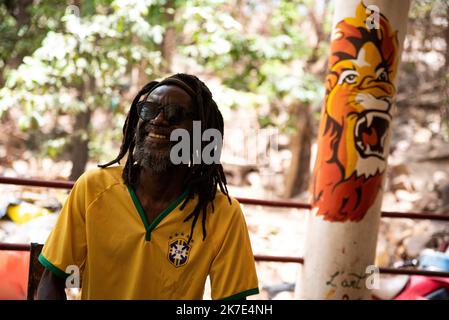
[155, 162]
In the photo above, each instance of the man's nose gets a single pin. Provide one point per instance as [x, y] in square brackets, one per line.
[160, 119]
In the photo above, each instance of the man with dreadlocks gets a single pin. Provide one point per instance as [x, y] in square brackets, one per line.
[130, 230]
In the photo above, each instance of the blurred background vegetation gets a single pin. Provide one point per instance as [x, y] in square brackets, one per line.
[69, 70]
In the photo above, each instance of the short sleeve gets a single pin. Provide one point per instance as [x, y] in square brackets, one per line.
[66, 244]
[233, 271]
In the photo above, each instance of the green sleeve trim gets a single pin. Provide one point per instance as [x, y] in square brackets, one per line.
[48, 265]
[242, 294]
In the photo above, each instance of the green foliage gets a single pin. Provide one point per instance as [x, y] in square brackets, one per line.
[98, 46]
[84, 62]
[54, 147]
[23, 28]
[70, 64]
[268, 63]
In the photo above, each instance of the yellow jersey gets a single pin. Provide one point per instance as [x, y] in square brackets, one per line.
[103, 230]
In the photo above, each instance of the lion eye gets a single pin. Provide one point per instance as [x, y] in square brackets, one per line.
[383, 76]
[348, 76]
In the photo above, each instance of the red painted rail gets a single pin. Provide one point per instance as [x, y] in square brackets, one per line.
[37, 183]
[15, 246]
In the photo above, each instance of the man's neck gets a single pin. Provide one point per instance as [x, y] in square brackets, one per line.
[164, 187]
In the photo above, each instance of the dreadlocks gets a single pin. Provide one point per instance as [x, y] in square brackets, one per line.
[202, 179]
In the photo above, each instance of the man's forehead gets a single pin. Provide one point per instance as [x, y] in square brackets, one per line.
[169, 92]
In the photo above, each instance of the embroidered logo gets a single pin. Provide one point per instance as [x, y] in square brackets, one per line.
[178, 252]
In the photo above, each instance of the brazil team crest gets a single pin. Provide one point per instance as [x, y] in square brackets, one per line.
[178, 252]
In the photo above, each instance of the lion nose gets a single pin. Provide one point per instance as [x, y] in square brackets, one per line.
[387, 88]
[370, 84]
[374, 102]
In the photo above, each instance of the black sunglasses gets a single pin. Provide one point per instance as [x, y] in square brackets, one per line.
[173, 113]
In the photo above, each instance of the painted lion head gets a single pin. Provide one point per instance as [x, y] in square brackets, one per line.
[353, 141]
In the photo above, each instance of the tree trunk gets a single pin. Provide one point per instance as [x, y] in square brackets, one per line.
[297, 179]
[79, 145]
[168, 43]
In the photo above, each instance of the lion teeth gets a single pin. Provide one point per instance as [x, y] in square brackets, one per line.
[382, 138]
[369, 117]
[361, 145]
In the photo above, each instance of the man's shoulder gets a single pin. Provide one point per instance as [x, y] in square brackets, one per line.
[227, 205]
[100, 179]
[227, 215]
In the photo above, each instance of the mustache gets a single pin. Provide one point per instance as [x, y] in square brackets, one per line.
[166, 130]
[144, 130]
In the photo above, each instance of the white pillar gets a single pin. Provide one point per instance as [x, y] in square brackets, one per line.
[353, 146]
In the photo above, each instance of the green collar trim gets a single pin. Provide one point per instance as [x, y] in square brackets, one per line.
[159, 218]
[139, 208]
